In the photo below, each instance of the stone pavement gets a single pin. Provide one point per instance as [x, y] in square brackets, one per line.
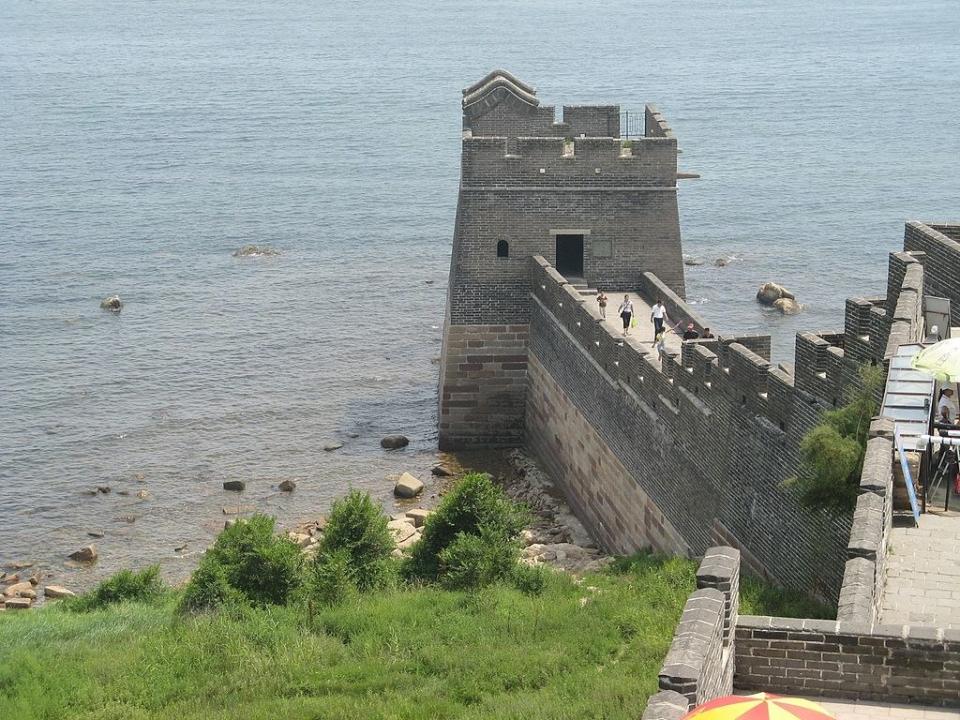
[854, 710]
[923, 573]
[640, 337]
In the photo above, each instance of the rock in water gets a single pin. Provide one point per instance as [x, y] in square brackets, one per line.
[770, 292]
[84, 554]
[287, 485]
[691, 260]
[441, 470]
[57, 591]
[112, 303]
[394, 442]
[721, 262]
[235, 485]
[18, 589]
[407, 486]
[787, 306]
[330, 447]
[256, 251]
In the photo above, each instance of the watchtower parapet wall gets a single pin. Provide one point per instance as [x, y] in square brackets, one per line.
[502, 105]
[552, 163]
[654, 123]
[716, 423]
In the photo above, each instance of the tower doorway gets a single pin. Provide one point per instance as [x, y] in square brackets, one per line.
[569, 261]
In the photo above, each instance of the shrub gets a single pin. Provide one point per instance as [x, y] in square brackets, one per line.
[209, 588]
[250, 559]
[473, 561]
[832, 452]
[357, 530]
[124, 586]
[529, 579]
[331, 579]
[476, 507]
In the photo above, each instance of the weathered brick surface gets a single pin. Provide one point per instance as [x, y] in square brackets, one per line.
[940, 245]
[483, 386]
[848, 660]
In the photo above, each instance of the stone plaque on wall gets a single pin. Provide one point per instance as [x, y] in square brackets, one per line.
[602, 248]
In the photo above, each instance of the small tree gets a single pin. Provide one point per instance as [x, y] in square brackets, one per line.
[832, 452]
[471, 539]
[357, 533]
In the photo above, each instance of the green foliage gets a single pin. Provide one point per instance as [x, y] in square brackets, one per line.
[474, 561]
[832, 452]
[331, 578]
[250, 559]
[475, 507]
[124, 586]
[357, 532]
[760, 598]
[529, 579]
[627, 144]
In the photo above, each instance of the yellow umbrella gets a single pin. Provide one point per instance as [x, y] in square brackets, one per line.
[761, 706]
[941, 360]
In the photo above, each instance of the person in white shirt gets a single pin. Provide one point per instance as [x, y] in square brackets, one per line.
[659, 316]
[945, 407]
[626, 313]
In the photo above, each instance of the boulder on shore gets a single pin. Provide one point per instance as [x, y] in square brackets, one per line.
[18, 603]
[407, 486]
[770, 292]
[418, 516]
[112, 303]
[787, 306]
[441, 470]
[394, 442]
[84, 554]
[17, 589]
[57, 591]
[235, 485]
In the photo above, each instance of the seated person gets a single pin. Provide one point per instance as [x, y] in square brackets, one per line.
[690, 333]
[945, 407]
[707, 335]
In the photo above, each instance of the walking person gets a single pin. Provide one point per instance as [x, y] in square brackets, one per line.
[626, 313]
[659, 316]
[602, 302]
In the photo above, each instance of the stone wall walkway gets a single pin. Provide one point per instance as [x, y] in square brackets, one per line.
[640, 337]
[923, 573]
[852, 710]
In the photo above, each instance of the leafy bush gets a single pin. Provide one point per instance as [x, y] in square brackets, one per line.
[124, 586]
[832, 452]
[331, 579]
[250, 559]
[475, 513]
[529, 579]
[209, 588]
[357, 530]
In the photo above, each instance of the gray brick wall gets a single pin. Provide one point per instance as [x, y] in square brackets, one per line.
[889, 663]
[940, 245]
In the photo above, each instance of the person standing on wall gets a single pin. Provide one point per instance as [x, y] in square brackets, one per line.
[626, 313]
[659, 316]
[602, 302]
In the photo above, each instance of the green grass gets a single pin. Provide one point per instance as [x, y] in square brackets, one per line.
[406, 653]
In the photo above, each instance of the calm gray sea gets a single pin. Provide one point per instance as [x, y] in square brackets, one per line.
[142, 142]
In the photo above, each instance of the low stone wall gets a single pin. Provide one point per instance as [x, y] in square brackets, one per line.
[700, 663]
[678, 310]
[889, 663]
[864, 574]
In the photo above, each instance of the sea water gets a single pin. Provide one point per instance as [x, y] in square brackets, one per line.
[142, 142]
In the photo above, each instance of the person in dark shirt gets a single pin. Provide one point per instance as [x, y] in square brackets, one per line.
[690, 333]
[707, 335]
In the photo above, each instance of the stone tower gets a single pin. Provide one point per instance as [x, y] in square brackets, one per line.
[595, 205]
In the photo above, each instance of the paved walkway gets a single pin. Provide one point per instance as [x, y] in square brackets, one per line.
[852, 710]
[923, 573]
[640, 337]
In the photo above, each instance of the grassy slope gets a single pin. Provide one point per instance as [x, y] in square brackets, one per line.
[423, 653]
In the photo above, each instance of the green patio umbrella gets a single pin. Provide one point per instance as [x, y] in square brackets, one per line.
[941, 360]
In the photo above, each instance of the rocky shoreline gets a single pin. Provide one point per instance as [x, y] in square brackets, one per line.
[555, 537]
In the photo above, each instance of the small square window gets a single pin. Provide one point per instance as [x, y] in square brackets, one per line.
[602, 248]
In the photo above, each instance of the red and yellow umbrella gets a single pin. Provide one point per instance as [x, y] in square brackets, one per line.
[761, 706]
